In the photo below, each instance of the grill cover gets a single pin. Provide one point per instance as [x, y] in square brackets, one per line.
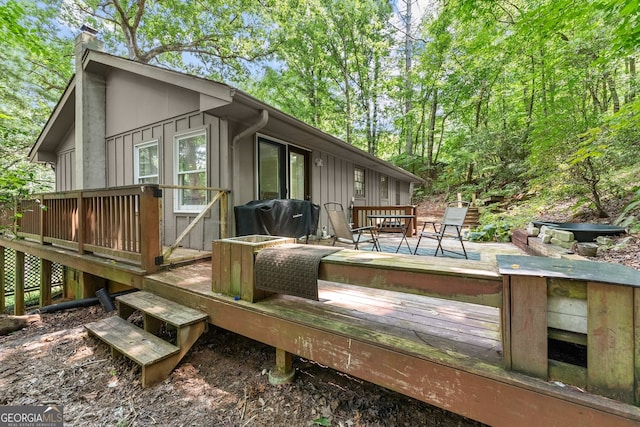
[277, 217]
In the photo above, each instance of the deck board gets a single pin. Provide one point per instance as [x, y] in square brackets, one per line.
[410, 321]
[461, 374]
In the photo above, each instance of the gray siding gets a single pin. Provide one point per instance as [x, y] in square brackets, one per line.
[121, 171]
[65, 163]
[134, 101]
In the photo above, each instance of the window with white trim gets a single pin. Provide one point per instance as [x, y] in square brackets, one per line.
[358, 182]
[191, 171]
[145, 163]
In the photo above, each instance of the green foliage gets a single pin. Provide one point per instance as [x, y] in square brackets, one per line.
[500, 232]
[630, 216]
[322, 421]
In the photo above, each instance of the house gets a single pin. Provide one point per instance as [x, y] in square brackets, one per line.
[120, 122]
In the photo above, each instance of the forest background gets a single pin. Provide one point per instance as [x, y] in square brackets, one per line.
[533, 100]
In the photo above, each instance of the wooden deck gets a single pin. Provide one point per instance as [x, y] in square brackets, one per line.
[443, 352]
[435, 329]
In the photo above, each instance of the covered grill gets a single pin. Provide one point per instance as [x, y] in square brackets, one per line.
[277, 217]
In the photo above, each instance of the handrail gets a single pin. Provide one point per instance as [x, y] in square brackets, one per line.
[221, 195]
[122, 222]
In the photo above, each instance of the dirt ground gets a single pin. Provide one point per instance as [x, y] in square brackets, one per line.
[222, 381]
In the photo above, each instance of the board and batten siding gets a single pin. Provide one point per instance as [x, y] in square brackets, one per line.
[334, 182]
[120, 171]
[65, 162]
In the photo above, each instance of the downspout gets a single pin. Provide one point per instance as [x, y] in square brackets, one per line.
[262, 122]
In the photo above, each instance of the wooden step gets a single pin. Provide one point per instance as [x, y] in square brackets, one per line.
[156, 356]
[127, 339]
[160, 308]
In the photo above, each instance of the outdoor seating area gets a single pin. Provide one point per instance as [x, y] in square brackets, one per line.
[387, 223]
[344, 233]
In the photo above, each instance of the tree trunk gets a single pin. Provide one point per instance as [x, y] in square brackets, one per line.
[432, 131]
[408, 56]
[479, 102]
[614, 94]
[631, 94]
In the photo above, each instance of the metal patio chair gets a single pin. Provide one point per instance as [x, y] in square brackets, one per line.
[449, 227]
[342, 231]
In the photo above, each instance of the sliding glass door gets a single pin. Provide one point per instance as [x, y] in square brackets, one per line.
[283, 171]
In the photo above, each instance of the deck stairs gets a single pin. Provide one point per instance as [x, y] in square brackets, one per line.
[157, 356]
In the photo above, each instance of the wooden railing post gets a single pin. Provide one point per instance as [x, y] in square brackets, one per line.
[80, 212]
[3, 280]
[150, 249]
[18, 307]
[224, 210]
[41, 214]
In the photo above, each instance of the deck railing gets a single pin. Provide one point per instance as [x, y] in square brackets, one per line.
[122, 222]
[360, 217]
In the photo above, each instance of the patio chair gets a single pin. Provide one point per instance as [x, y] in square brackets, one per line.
[344, 233]
[449, 227]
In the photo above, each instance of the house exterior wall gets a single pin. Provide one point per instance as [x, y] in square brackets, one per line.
[134, 101]
[140, 110]
[120, 170]
[65, 163]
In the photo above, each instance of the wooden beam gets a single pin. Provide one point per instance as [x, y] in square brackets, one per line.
[636, 328]
[18, 307]
[45, 282]
[283, 372]
[492, 396]
[150, 245]
[224, 215]
[505, 321]
[443, 278]
[117, 272]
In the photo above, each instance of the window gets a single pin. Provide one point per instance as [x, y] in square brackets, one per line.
[191, 171]
[146, 163]
[271, 170]
[384, 187]
[279, 178]
[299, 174]
[358, 182]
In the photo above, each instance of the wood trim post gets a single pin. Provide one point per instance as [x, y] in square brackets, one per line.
[636, 328]
[150, 248]
[528, 329]
[82, 223]
[224, 215]
[505, 321]
[283, 372]
[45, 282]
[41, 219]
[18, 308]
[610, 345]
[3, 280]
